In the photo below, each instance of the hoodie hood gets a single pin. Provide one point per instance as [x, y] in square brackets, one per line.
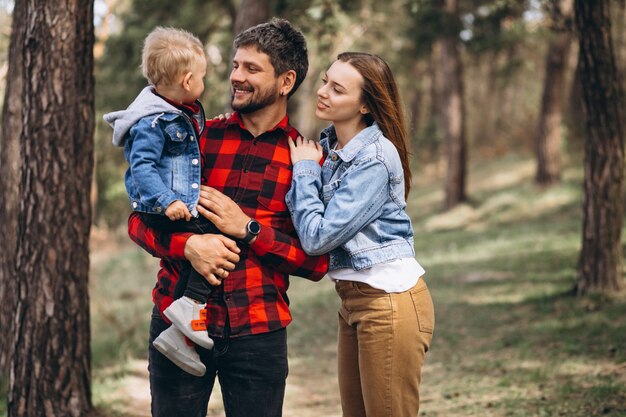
[146, 104]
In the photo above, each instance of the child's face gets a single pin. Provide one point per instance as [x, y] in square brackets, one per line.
[196, 81]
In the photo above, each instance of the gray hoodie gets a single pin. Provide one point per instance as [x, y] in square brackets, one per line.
[145, 104]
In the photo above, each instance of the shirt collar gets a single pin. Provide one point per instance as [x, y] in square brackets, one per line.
[283, 125]
[328, 139]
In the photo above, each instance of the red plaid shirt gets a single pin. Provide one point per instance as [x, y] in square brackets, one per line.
[256, 174]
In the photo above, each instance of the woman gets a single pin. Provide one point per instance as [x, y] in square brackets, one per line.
[353, 206]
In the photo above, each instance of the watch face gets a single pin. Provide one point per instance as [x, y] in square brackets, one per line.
[254, 227]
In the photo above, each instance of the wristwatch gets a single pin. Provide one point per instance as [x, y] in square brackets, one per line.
[252, 230]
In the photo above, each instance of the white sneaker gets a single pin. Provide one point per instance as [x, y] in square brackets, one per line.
[181, 313]
[171, 343]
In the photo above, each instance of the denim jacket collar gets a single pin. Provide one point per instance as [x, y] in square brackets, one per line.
[328, 139]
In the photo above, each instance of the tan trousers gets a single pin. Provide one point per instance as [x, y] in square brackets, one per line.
[382, 342]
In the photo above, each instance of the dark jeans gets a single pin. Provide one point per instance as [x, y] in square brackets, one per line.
[252, 371]
[190, 283]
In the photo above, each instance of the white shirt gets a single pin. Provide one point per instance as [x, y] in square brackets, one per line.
[396, 276]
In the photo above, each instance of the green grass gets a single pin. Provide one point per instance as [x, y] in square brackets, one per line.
[510, 338]
[122, 279]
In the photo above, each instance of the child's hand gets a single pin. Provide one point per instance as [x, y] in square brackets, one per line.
[305, 149]
[177, 210]
[222, 116]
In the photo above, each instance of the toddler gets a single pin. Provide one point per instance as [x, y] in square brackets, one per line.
[160, 131]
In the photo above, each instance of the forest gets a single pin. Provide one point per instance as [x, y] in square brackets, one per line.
[515, 110]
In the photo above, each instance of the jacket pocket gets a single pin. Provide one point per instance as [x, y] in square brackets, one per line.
[276, 183]
[177, 139]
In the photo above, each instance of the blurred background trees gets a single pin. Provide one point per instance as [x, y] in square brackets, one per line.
[479, 78]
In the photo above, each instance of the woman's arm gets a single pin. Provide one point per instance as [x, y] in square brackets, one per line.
[357, 200]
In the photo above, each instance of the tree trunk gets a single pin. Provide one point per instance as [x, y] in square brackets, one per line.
[250, 13]
[415, 103]
[9, 190]
[49, 114]
[453, 109]
[485, 127]
[600, 262]
[548, 135]
[576, 114]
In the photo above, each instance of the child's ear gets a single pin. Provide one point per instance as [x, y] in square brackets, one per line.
[186, 81]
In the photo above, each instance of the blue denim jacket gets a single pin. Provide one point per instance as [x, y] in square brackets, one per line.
[353, 206]
[161, 147]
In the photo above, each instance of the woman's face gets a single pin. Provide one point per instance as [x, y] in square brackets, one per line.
[339, 98]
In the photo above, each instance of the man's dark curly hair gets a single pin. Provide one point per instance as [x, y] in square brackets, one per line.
[284, 44]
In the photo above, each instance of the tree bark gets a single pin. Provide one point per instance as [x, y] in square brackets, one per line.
[250, 13]
[48, 124]
[9, 190]
[600, 262]
[548, 135]
[576, 114]
[453, 109]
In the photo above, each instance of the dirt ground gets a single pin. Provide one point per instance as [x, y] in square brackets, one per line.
[306, 395]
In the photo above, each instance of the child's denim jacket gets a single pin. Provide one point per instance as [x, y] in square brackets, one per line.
[162, 150]
[352, 206]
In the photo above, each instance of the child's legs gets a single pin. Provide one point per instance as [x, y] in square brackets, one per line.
[190, 283]
[199, 225]
[197, 287]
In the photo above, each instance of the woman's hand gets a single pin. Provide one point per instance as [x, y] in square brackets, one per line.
[222, 116]
[305, 149]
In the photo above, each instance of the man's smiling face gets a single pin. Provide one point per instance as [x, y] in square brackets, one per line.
[253, 80]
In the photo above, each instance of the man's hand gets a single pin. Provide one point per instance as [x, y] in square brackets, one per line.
[177, 210]
[213, 256]
[223, 212]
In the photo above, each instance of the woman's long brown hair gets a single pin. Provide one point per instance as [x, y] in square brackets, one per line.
[380, 94]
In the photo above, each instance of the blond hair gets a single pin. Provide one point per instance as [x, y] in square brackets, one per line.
[168, 53]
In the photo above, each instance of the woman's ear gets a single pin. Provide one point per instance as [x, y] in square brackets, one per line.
[289, 80]
[364, 110]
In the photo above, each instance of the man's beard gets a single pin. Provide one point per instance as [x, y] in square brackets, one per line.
[265, 98]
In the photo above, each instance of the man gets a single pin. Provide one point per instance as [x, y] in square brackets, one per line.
[247, 168]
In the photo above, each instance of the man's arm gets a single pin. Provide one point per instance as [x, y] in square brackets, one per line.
[211, 255]
[284, 251]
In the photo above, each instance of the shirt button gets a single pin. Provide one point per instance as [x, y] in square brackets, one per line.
[135, 204]
[194, 162]
[179, 134]
[333, 157]
[158, 209]
[194, 185]
[245, 171]
[191, 138]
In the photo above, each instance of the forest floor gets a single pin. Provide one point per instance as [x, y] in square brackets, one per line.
[510, 339]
